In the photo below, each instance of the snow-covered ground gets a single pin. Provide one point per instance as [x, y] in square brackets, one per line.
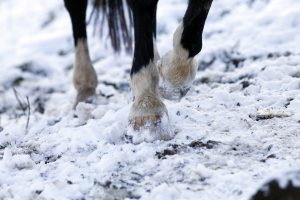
[236, 129]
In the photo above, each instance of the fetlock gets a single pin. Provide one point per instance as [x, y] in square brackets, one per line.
[177, 71]
[147, 102]
[85, 77]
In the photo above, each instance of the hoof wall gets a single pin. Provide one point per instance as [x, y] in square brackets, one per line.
[174, 94]
[139, 123]
[84, 96]
[150, 128]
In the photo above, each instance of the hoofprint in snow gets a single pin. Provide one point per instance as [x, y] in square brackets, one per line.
[238, 127]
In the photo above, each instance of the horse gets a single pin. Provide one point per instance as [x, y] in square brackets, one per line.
[152, 77]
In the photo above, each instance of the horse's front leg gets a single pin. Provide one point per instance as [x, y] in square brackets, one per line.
[178, 67]
[148, 111]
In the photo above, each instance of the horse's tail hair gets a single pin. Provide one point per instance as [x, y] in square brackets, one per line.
[117, 15]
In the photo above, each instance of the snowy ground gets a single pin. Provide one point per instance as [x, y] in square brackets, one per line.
[236, 129]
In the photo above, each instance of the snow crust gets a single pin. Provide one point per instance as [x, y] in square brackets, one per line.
[237, 128]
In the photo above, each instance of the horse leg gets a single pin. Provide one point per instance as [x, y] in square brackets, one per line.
[178, 67]
[85, 77]
[148, 111]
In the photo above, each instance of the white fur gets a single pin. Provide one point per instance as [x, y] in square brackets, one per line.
[144, 85]
[85, 76]
[156, 54]
[176, 69]
[148, 114]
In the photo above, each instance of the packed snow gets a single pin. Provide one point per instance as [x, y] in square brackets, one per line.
[237, 128]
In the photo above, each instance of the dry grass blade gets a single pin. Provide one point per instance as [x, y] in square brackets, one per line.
[24, 106]
[28, 114]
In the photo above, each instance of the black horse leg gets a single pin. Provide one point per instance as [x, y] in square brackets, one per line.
[147, 110]
[178, 67]
[85, 78]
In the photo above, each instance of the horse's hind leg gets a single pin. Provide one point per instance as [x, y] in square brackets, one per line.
[178, 67]
[85, 77]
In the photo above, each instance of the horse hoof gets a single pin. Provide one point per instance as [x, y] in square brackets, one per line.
[139, 123]
[85, 96]
[149, 120]
[151, 128]
[172, 93]
[176, 76]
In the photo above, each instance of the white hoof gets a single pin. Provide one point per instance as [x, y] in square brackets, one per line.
[150, 128]
[176, 75]
[85, 96]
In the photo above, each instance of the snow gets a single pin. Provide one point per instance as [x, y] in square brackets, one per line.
[236, 129]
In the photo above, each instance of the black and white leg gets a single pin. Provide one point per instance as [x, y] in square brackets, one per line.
[148, 111]
[178, 67]
[85, 77]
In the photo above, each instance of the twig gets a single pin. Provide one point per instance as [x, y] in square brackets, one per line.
[28, 115]
[19, 100]
[24, 106]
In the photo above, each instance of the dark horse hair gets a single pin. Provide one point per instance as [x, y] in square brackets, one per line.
[119, 22]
